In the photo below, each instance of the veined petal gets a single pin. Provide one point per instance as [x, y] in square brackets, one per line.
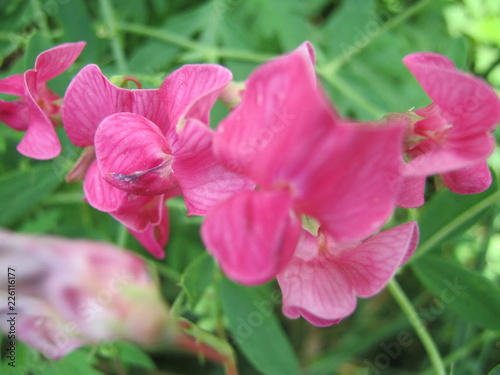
[191, 91]
[91, 97]
[14, 114]
[53, 62]
[411, 192]
[315, 288]
[252, 235]
[272, 105]
[456, 153]
[372, 264]
[88, 100]
[133, 155]
[100, 194]
[155, 237]
[138, 212]
[13, 85]
[470, 180]
[345, 184]
[40, 140]
[468, 102]
[204, 180]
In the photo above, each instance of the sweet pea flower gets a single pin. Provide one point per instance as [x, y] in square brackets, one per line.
[36, 110]
[306, 161]
[90, 99]
[137, 156]
[324, 277]
[452, 136]
[78, 292]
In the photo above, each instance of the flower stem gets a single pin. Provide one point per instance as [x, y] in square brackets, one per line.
[340, 61]
[208, 51]
[41, 19]
[341, 86]
[416, 322]
[116, 43]
[457, 221]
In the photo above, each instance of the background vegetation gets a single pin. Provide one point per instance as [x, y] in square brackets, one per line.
[359, 44]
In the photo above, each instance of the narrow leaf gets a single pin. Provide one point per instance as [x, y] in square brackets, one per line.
[197, 277]
[256, 330]
[21, 190]
[470, 295]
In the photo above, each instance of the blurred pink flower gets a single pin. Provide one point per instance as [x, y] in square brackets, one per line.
[452, 136]
[77, 292]
[34, 112]
[286, 137]
[324, 277]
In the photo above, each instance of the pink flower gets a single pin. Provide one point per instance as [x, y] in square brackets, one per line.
[285, 136]
[77, 292]
[136, 156]
[324, 277]
[37, 107]
[452, 136]
[90, 100]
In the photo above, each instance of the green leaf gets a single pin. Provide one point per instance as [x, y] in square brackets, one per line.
[351, 26]
[495, 371]
[256, 330]
[22, 190]
[197, 277]
[469, 294]
[133, 355]
[75, 363]
[449, 214]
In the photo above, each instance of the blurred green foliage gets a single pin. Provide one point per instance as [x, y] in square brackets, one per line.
[359, 46]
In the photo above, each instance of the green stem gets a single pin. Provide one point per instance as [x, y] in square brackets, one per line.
[466, 349]
[210, 52]
[121, 237]
[459, 220]
[41, 19]
[418, 325]
[340, 85]
[116, 43]
[340, 61]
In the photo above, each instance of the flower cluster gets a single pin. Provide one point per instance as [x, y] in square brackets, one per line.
[289, 189]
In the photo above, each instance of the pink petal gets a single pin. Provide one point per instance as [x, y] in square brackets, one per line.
[40, 140]
[14, 114]
[100, 194]
[53, 62]
[411, 192]
[455, 153]
[155, 237]
[133, 155]
[191, 91]
[470, 180]
[468, 102]
[372, 264]
[273, 104]
[344, 183]
[13, 85]
[252, 235]
[315, 288]
[90, 98]
[203, 180]
[138, 213]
